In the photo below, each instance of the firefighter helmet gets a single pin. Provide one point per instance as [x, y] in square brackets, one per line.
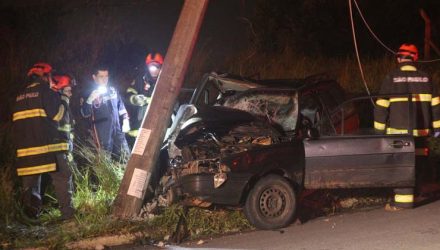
[408, 51]
[156, 58]
[62, 81]
[40, 69]
[154, 64]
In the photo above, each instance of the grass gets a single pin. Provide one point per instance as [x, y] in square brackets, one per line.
[292, 64]
[198, 222]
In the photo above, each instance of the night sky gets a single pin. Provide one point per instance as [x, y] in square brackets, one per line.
[75, 35]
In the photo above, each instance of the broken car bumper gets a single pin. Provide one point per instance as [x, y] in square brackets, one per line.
[201, 186]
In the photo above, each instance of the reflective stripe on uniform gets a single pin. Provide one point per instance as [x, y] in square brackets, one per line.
[435, 101]
[399, 99]
[42, 149]
[404, 198]
[32, 85]
[65, 128]
[60, 113]
[132, 90]
[379, 126]
[37, 169]
[383, 103]
[416, 132]
[133, 133]
[28, 114]
[132, 99]
[415, 98]
[436, 124]
[422, 98]
[408, 68]
[148, 99]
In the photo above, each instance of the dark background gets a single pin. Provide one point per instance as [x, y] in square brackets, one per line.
[75, 35]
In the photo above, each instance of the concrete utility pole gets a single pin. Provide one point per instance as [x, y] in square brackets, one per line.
[146, 149]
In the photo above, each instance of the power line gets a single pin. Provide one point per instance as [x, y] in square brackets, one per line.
[369, 29]
[357, 51]
[380, 41]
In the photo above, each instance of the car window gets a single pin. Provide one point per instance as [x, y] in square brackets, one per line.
[280, 107]
[331, 95]
[316, 115]
[210, 94]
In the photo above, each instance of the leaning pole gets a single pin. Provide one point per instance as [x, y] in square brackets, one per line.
[146, 149]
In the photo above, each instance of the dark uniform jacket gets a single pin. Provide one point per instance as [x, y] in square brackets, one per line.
[108, 108]
[36, 115]
[105, 113]
[137, 112]
[398, 114]
[67, 122]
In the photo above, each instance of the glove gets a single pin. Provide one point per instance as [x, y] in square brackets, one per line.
[95, 94]
[125, 126]
[437, 134]
[139, 100]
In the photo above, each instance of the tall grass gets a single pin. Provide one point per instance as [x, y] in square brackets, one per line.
[8, 186]
[97, 181]
[294, 65]
[8, 179]
[197, 222]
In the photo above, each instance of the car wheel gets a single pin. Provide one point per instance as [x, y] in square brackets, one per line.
[271, 203]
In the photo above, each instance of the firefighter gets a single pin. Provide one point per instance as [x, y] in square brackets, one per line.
[41, 149]
[419, 116]
[104, 107]
[139, 93]
[63, 85]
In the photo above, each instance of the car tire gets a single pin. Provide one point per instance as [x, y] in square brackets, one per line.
[271, 203]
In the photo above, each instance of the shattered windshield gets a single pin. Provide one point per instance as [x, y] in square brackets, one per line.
[216, 88]
[278, 106]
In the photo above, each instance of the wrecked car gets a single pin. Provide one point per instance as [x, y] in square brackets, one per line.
[258, 144]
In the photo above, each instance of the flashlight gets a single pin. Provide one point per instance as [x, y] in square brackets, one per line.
[102, 89]
[154, 70]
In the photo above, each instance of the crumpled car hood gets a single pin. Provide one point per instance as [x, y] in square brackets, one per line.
[215, 119]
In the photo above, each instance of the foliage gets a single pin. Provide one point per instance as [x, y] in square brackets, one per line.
[8, 179]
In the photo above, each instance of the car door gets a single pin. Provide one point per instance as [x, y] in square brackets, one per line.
[359, 161]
